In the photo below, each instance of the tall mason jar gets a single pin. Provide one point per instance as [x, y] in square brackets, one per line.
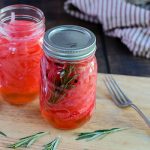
[22, 29]
[68, 76]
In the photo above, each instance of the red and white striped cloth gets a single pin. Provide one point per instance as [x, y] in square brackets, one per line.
[119, 19]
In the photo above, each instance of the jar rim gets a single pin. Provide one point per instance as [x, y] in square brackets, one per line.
[38, 22]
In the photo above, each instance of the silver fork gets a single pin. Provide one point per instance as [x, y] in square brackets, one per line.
[120, 99]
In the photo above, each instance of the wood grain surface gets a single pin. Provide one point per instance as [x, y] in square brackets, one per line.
[22, 121]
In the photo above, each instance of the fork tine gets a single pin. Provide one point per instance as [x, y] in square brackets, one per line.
[123, 97]
[115, 83]
[116, 90]
[109, 89]
[112, 91]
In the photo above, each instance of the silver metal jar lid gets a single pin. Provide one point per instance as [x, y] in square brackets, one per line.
[69, 42]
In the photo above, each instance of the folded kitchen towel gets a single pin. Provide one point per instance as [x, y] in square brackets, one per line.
[119, 19]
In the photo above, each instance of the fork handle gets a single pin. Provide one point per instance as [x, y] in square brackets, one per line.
[147, 121]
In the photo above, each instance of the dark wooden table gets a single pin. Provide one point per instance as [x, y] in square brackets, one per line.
[112, 55]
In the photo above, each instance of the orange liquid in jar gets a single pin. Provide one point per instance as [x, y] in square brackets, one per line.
[74, 107]
[20, 55]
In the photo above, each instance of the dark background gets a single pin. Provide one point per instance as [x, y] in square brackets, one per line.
[112, 55]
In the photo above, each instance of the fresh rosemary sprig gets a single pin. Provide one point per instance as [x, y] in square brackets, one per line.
[97, 134]
[52, 145]
[27, 141]
[66, 81]
[3, 134]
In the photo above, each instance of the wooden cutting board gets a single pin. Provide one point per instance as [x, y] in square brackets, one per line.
[22, 121]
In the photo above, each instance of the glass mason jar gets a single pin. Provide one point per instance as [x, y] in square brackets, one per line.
[68, 76]
[22, 28]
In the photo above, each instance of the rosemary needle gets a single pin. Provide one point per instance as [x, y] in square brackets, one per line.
[97, 134]
[66, 81]
[27, 141]
[3, 134]
[52, 145]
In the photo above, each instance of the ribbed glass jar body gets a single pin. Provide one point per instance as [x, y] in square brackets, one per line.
[21, 32]
[68, 91]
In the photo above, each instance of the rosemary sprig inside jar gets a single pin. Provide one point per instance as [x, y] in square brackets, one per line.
[66, 81]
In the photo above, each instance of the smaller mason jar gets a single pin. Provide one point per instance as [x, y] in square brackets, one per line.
[22, 28]
[68, 76]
